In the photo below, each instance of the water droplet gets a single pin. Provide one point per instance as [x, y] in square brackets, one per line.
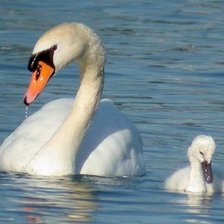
[26, 111]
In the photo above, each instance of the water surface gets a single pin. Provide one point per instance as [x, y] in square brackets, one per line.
[165, 62]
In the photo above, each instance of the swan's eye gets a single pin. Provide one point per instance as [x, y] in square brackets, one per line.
[201, 153]
[39, 67]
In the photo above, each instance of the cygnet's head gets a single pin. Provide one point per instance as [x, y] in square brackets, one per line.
[201, 150]
[58, 47]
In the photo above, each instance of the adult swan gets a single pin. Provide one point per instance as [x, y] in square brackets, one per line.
[81, 136]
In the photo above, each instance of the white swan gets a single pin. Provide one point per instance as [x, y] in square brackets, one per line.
[199, 177]
[85, 136]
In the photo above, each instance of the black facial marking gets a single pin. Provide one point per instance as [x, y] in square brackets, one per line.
[45, 56]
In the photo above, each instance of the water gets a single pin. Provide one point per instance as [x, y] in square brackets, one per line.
[165, 62]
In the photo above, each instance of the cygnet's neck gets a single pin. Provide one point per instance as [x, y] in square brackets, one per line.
[196, 181]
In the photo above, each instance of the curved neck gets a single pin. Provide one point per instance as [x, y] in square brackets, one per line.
[196, 181]
[66, 141]
[86, 102]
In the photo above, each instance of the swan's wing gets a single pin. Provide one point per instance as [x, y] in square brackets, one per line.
[112, 145]
[20, 147]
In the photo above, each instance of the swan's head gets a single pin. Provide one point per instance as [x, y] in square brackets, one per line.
[58, 47]
[201, 150]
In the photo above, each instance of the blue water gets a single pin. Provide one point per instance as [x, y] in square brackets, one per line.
[165, 70]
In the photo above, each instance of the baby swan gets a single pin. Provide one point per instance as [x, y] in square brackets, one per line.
[199, 177]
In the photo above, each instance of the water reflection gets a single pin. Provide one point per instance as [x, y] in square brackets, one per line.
[198, 206]
[40, 198]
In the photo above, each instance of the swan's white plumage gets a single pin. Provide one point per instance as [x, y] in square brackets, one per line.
[109, 148]
[180, 180]
[111, 145]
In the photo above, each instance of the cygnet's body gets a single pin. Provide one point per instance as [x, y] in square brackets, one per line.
[199, 177]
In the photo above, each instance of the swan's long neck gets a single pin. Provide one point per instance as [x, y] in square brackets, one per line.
[67, 139]
[58, 155]
[196, 181]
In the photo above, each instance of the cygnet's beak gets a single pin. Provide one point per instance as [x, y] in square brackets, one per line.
[39, 80]
[207, 171]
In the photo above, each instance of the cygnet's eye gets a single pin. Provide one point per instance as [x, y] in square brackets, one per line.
[201, 155]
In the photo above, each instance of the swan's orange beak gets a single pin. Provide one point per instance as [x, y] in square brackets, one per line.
[39, 80]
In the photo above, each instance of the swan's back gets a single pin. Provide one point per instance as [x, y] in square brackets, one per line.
[118, 148]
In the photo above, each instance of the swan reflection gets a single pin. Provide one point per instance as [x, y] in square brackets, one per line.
[71, 200]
